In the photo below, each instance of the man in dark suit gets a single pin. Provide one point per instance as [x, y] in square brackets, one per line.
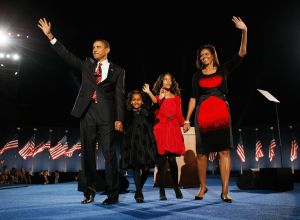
[100, 106]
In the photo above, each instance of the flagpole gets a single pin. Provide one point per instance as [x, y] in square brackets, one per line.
[48, 164]
[15, 161]
[240, 130]
[256, 130]
[292, 167]
[66, 131]
[97, 147]
[32, 158]
[65, 164]
[272, 130]
[279, 135]
[50, 136]
[18, 128]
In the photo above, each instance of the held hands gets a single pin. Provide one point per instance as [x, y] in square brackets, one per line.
[186, 127]
[45, 26]
[239, 23]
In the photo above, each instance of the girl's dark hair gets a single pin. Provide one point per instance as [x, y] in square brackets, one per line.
[213, 51]
[159, 83]
[129, 97]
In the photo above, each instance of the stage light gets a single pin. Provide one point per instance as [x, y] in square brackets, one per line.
[9, 56]
[4, 40]
[11, 43]
[16, 57]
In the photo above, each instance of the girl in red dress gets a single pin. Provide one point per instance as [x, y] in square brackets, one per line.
[167, 131]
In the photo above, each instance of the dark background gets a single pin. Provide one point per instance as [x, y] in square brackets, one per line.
[147, 38]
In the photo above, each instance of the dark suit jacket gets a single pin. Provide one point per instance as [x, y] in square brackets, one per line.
[110, 92]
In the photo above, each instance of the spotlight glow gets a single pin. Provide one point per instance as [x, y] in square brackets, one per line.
[3, 39]
[16, 57]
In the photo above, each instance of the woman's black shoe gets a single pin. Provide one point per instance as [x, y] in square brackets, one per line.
[201, 197]
[225, 199]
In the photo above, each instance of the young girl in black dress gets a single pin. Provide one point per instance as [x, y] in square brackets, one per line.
[138, 146]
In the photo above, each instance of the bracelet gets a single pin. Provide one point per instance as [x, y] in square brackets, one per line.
[187, 122]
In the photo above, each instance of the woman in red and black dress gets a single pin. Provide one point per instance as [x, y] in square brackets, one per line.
[167, 131]
[212, 116]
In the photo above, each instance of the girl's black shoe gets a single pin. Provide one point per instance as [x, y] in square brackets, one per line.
[178, 192]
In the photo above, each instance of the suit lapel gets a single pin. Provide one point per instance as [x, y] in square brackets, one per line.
[92, 67]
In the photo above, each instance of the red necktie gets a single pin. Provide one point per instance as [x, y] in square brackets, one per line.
[98, 77]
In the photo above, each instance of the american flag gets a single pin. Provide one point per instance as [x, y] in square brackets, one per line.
[258, 150]
[272, 149]
[41, 147]
[240, 152]
[212, 156]
[9, 145]
[59, 149]
[294, 150]
[75, 147]
[28, 149]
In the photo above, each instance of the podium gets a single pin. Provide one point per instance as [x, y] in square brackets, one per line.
[187, 164]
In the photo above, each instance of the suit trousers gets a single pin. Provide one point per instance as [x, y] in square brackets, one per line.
[94, 128]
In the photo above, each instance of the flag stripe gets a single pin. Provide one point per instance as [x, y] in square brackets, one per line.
[27, 150]
[272, 149]
[241, 153]
[294, 150]
[70, 151]
[59, 149]
[41, 147]
[10, 145]
[212, 156]
[258, 150]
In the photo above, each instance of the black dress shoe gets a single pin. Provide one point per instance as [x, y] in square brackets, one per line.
[162, 194]
[178, 193]
[110, 201]
[201, 197]
[225, 199]
[89, 198]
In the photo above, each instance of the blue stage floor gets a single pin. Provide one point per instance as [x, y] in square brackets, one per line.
[62, 201]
